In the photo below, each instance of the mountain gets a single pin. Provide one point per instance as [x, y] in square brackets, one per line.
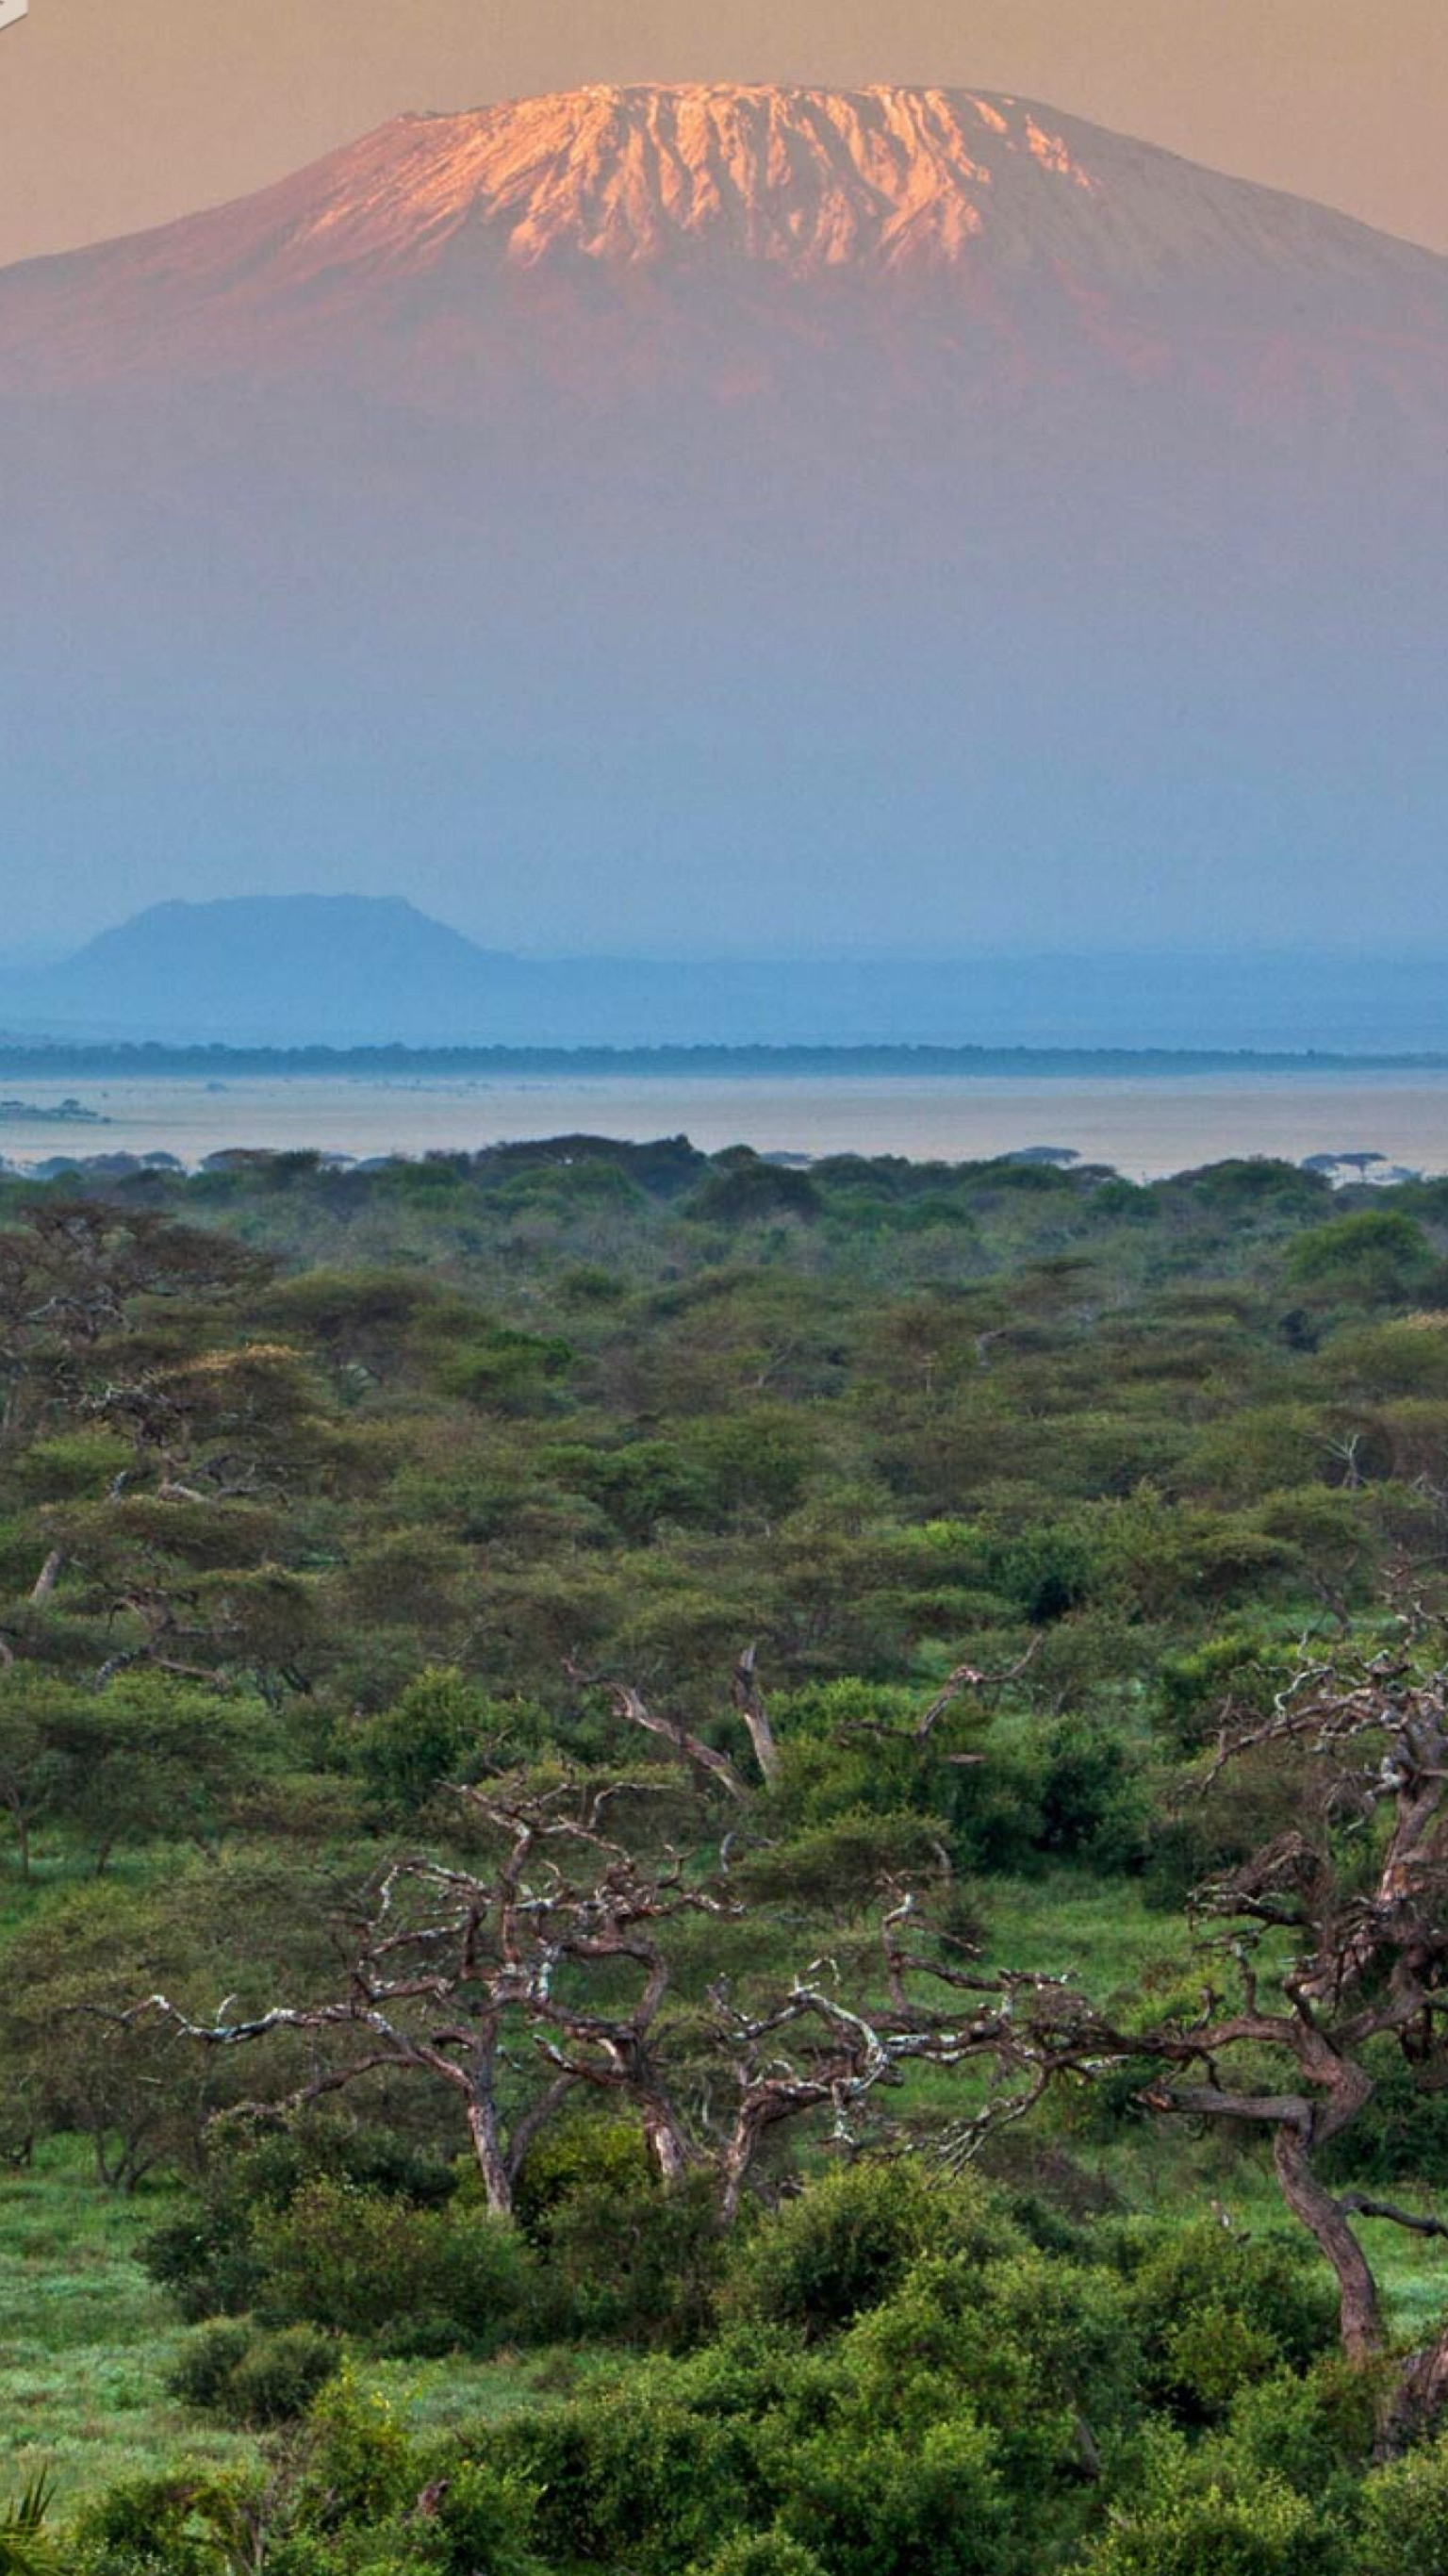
[522, 219]
[734, 516]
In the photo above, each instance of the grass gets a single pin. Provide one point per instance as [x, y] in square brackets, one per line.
[444, 2396]
[89, 2339]
[89, 2343]
[1095, 1932]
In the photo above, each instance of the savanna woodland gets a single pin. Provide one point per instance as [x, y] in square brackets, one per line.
[719, 1870]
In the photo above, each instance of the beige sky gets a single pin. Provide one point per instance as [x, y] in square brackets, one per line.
[119, 113]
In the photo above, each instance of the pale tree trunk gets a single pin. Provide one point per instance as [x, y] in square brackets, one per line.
[47, 1579]
[487, 2147]
[665, 2141]
[749, 1701]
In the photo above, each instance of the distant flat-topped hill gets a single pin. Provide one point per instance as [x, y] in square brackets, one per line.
[273, 966]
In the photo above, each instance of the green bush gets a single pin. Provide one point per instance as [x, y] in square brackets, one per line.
[627, 2258]
[848, 2241]
[1093, 1804]
[208, 2260]
[1316, 2430]
[1191, 2524]
[253, 2378]
[357, 2465]
[1238, 1674]
[202, 2376]
[186, 2523]
[840, 1866]
[407, 1750]
[1405, 2517]
[1218, 2311]
[350, 2259]
[635, 2477]
[585, 2152]
[760, 2553]
[482, 2521]
[1377, 1258]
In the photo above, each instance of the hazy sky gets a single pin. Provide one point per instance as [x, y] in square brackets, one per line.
[119, 113]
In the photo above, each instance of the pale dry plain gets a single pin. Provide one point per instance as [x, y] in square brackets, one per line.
[1145, 1127]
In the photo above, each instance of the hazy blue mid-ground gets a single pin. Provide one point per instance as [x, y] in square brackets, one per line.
[344, 970]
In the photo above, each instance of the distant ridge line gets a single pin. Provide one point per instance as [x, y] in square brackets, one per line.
[21, 1057]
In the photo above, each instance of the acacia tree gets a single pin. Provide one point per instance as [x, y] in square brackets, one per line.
[823, 2046]
[71, 1276]
[551, 1972]
[509, 1988]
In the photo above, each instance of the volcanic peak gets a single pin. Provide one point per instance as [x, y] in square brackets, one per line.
[806, 180]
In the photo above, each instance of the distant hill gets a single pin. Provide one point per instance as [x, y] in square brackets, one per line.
[335, 967]
[353, 970]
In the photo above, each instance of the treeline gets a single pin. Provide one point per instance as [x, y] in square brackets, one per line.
[154, 1059]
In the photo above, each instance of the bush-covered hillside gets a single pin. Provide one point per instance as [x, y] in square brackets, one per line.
[715, 1869]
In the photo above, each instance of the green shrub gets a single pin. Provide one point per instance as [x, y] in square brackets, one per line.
[207, 2260]
[1199, 2516]
[636, 2477]
[186, 2523]
[1093, 1805]
[760, 2553]
[203, 2374]
[408, 1749]
[754, 1191]
[483, 2521]
[359, 2263]
[1377, 1258]
[277, 2378]
[1219, 2311]
[358, 2466]
[877, 2505]
[1317, 2430]
[1238, 1674]
[1405, 2517]
[630, 2259]
[583, 2153]
[848, 2241]
[840, 1866]
[251, 2377]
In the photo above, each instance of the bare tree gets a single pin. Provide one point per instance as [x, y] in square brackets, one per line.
[809, 2050]
[486, 1984]
[630, 1705]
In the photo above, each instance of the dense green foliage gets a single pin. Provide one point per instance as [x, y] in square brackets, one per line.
[368, 1534]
